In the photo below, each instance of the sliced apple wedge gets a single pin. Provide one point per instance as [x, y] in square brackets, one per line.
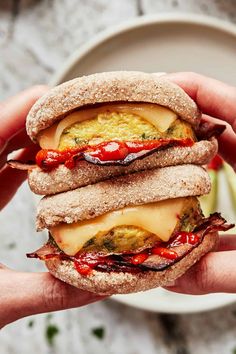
[231, 180]
[208, 202]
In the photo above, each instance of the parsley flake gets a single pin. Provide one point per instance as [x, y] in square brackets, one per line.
[51, 332]
[98, 332]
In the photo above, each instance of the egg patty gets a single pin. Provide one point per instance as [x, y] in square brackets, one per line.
[132, 239]
[120, 126]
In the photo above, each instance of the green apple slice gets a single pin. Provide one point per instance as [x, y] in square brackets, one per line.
[208, 202]
[231, 180]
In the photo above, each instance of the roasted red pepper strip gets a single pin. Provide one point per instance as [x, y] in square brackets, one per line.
[139, 258]
[164, 252]
[113, 150]
[106, 151]
[82, 268]
[49, 159]
[216, 163]
[184, 237]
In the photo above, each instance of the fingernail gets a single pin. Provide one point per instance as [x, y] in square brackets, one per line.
[3, 144]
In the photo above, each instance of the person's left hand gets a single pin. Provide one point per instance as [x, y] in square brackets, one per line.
[24, 294]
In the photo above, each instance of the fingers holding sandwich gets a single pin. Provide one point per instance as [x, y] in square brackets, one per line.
[213, 273]
[37, 293]
[227, 243]
[13, 112]
[215, 99]
[11, 179]
[13, 115]
[226, 141]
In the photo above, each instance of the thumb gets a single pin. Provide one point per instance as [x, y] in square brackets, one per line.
[213, 273]
[25, 294]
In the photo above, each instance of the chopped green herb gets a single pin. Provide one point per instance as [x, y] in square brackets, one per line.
[66, 131]
[89, 242]
[143, 136]
[109, 244]
[31, 323]
[12, 245]
[51, 331]
[77, 140]
[98, 332]
[170, 130]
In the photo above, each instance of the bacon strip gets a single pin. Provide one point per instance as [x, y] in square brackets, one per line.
[207, 130]
[24, 166]
[46, 251]
[122, 262]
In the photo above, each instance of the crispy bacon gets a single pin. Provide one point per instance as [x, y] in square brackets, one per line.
[46, 251]
[215, 222]
[24, 166]
[207, 130]
[123, 262]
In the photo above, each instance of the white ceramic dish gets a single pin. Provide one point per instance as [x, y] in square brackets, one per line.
[165, 43]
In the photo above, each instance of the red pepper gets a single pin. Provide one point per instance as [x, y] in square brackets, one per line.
[164, 252]
[139, 258]
[113, 150]
[82, 268]
[137, 146]
[216, 163]
[49, 159]
[106, 151]
[184, 237]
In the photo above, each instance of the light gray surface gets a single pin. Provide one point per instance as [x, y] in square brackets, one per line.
[35, 38]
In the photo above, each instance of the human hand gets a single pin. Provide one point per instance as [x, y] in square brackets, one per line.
[217, 101]
[24, 294]
[215, 271]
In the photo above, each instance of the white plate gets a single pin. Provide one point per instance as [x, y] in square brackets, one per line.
[164, 43]
[168, 42]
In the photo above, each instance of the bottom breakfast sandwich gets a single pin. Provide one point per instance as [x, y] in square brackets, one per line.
[130, 233]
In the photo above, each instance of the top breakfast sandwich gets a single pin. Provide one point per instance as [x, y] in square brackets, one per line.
[108, 124]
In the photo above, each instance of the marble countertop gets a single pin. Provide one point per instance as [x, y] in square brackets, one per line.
[36, 37]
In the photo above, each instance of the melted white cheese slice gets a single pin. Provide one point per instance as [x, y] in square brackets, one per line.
[158, 116]
[159, 218]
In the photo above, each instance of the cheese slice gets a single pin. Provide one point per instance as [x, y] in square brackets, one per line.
[159, 218]
[158, 116]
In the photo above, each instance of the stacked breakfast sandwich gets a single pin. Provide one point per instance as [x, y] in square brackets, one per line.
[120, 166]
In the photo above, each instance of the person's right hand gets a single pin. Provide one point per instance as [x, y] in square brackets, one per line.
[217, 101]
[215, 272]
